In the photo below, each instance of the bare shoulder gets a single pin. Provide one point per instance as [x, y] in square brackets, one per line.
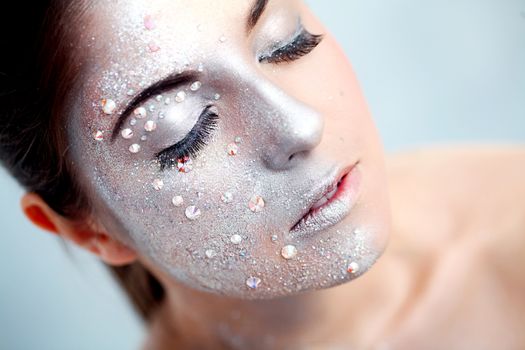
[454, 193]
[482, 176]
[487, 161]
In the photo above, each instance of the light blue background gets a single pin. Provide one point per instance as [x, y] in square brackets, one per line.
[432, 72]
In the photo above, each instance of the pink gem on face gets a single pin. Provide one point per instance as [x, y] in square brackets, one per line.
[153, 47]
[184, 164]
[233, 149]
[149, 23]
[256, 204]
[98, 136]
[353, 267]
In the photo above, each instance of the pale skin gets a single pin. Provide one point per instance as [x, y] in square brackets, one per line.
[421, 292]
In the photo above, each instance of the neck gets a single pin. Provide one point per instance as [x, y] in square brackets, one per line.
[348, 314]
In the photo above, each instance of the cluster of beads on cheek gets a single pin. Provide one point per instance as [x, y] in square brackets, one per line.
[148, 118]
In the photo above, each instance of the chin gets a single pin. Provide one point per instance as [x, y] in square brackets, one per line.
[331, 259]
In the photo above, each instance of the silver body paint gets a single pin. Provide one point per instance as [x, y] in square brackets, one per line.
[277, 159]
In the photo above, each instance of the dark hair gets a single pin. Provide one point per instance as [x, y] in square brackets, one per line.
[38, 66]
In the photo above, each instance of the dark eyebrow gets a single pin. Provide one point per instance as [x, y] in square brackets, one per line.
[255, 13]
[172, 81]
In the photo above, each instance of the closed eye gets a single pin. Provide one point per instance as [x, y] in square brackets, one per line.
[193, 143]
[302, 44]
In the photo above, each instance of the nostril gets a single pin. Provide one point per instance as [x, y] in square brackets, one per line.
[291, 157]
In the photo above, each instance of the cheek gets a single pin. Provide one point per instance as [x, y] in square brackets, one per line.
[329, 85]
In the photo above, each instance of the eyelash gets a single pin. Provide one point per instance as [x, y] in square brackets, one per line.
[303, 43]
[190, 145]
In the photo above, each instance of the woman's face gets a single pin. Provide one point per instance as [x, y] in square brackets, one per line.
[247, 163]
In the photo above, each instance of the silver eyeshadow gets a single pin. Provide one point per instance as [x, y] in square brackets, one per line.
[190, 237]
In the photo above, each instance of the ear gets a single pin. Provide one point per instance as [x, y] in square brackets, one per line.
[85, 235]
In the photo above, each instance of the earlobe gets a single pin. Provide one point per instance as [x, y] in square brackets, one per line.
[113, 252]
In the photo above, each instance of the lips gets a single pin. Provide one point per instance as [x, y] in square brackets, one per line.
[330, 202]
[332, 190]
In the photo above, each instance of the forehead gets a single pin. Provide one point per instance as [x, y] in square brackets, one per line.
[138, 33]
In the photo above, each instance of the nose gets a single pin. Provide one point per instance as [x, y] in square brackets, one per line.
[293, 129]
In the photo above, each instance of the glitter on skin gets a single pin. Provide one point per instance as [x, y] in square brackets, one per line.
[227, 197]
[210, 253]
[158, 184]
[254, 108]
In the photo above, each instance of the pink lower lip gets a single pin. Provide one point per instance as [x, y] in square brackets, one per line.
[333, 211]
